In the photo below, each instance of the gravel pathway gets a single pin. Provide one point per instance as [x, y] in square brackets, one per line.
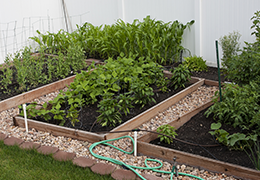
[190, 102]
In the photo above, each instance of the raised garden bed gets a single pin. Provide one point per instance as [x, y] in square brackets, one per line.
[132, 123]
[193, 127]
[143, 147]
[49, 89]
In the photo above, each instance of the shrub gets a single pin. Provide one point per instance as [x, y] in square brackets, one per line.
[195, 63]
[245, 67]
[230, 47]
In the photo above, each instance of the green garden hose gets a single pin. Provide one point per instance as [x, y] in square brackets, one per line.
[155, 169]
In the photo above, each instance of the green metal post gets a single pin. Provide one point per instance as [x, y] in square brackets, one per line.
[219, 80]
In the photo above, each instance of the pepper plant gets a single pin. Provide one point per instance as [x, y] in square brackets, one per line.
[180, 76]
[167, 130]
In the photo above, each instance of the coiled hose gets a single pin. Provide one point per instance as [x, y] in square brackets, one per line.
[155, 169]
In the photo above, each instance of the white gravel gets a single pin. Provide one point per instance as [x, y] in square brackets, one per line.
[195, 99]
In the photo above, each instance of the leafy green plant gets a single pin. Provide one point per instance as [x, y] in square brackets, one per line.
[75, 57]
[256, 25]
[116, 87]
[230, 47]
[235, 141]
[239, 106]
[7, 76]
[150, 38]
[194, 63]
[168, 131]
[54, 42]
[244, 67]
[180, 76]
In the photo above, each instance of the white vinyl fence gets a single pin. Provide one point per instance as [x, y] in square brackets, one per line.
[213, 19]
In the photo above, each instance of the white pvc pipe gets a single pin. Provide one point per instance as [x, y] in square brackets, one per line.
[25, 117]
[135, 140]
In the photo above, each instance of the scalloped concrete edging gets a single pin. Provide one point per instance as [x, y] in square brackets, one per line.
[83, 162]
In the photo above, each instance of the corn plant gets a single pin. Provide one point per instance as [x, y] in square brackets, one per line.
[150, 38]
[54, 42]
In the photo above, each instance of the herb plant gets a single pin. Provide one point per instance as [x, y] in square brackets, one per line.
[195, 63]
[230, 47]
[168, 131]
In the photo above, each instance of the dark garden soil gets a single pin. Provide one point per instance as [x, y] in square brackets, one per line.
[196, 130]
[211, 73]
[88, 114]
[14, 88]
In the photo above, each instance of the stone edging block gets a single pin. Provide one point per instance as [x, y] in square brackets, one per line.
[99, 168]
[30, 145]
[47, 150]
[64, 156]
[103, 169]
[121, 174]
[3, 136]
[11, 141]
[84, 162]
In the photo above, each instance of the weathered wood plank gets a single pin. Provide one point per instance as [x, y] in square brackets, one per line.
[30, 95]
[59, 130]
[177, 123]
[197, 161]
[150, 113]
[211, 82]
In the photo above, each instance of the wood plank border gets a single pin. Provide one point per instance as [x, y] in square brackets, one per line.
[59, 130]
[178, 122]
[30, 95]
[190, 159]
[150, 113]
[93, 137]
[151, 150]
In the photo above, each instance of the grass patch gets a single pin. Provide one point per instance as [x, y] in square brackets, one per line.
[16, 163]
